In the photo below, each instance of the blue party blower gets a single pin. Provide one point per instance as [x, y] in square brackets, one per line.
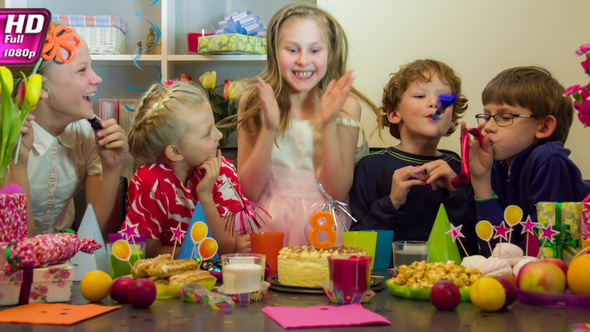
[445, 101]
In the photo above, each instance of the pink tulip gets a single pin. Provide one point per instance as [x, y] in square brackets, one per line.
[571, 90]
[583, 49]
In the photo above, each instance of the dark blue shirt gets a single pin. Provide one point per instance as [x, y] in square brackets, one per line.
[542, 172]
[372, 208]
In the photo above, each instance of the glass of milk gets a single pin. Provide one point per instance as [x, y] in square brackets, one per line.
[408, 252]
[242, 272]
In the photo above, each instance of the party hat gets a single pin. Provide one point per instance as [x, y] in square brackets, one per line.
[190, 243]
[442, 247]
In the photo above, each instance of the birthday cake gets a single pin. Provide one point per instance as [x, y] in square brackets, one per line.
[305, 266]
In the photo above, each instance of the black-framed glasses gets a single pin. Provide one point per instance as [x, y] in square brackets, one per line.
[502, 119]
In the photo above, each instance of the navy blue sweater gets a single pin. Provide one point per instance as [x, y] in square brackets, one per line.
[372, 208]
[542, 172]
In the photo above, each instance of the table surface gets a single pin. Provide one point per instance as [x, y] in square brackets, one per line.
[406, 315]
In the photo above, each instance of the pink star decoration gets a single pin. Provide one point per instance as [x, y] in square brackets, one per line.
[130, 230]
[547, 233]
[177, 234]
[455, 232]
[528, 226]
[501, 231]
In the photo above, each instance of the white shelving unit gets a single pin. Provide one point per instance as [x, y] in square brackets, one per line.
[175, 18]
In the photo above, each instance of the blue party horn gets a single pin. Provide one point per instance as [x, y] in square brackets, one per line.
[445, 101]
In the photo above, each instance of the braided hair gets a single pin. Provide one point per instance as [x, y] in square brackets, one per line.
[159, 120]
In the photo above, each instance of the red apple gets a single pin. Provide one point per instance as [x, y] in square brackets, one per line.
[119, 289]
[559, 262]
[509, 289]
[541, 277]
[445, 295]
[142, 293]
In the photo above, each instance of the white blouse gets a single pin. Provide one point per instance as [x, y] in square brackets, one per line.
[57, 170]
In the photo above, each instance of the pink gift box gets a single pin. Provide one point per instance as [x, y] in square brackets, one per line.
[13, 214]
[41, 285]
[193, 41]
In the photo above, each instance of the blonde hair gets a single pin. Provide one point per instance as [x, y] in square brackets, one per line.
[159, 119]
[337, 45]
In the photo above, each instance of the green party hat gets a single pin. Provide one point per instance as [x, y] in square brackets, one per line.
[442, 248]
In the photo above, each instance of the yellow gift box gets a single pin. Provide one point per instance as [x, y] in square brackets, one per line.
[232, 43]
[565, 218]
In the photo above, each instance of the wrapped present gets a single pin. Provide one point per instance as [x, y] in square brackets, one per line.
[564, 218]
[585, 226]
[13, 214]
[232, 43]
[40, 285]
[47, 249]
[239, 33]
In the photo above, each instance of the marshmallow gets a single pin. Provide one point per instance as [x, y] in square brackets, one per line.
[493, 264]
[508, 251]
[474, 261]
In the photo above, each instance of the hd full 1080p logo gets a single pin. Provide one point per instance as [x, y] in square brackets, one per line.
[22, 33]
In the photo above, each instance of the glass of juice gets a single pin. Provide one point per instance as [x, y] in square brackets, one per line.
[124, 253]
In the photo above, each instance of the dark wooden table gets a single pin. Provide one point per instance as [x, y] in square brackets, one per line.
[406, 315]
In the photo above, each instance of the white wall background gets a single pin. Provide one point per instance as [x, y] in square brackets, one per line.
[478, 38]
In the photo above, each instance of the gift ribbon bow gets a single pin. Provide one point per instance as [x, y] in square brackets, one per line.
[563, 240]
[250, 218]
[243, 23]
[334, 206]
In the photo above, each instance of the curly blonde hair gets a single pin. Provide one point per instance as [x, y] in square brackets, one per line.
[422, 71]
[159, 120]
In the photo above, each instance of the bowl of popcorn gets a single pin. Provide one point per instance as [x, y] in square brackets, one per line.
[414, 281]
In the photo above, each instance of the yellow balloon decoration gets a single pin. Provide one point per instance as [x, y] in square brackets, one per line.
[513, 214]
[484, 230]
[122, 250]
[199, 231]
[207, 248]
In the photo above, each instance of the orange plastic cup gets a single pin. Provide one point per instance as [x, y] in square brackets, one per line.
[269, 244]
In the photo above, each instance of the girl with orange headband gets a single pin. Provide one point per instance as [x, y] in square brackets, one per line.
[61, 154]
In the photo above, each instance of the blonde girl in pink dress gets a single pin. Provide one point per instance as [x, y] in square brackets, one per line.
[301, 121]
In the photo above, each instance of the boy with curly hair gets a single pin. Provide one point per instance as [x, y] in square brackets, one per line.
[401, 188]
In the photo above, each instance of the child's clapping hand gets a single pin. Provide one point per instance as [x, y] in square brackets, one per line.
[270, 107]
[334, 97]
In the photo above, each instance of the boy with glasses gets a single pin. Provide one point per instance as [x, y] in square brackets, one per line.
[521, 160]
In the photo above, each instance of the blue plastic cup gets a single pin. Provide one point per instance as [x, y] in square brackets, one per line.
[383, 249]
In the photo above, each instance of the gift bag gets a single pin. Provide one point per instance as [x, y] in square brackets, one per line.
[585, 225]
[442, 247]
[13, 214]
[566, 219]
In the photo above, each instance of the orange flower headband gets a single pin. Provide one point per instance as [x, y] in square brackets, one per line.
[54, 42]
